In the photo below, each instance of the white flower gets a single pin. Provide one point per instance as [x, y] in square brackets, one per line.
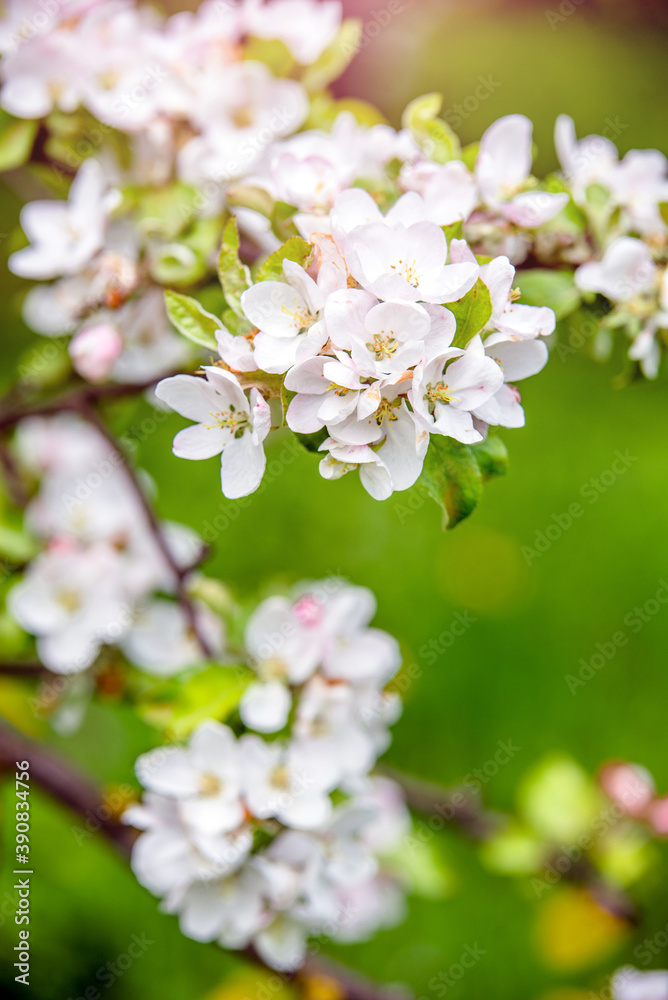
[503, 167]
[626, 270]
[631, 984]
[287, 317]
[591, 160]
[398, 257]
[72, 598]
[227, 423]
[205, 778]
[447, 389]
[161, 640]
[449, 190]
[307, 28]
[65, 235]
[517, 359]
[95, 350]
[288, 783]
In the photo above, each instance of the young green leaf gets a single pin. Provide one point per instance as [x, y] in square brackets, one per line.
[295, 249]
[472, 312]
[234, 276]
[191, 320]
[452, 477]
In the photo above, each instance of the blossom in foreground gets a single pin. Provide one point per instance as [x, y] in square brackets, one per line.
[268, 841]
[228, 423]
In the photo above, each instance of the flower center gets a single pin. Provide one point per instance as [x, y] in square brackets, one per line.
[300, 315]
[235, 421]
[439, 393]
[209, 784]
[280, 777]
[408, 271]
[386, 410]
[272, 669]
[69, 599]
[383, 345]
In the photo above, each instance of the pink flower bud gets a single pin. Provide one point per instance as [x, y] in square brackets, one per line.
[94, 351]
[657, 814]
[629, 786]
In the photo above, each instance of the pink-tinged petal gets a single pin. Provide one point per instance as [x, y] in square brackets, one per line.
[168, 771]
[275, 354]
[627, 268]
[502, 409]
[449, 283]
[498, 276]
[345, 311]
[368, 402]
[227, 386]
[504, 158]
[308, 376]
[266, 707]
[340, 374]
[457, 424]
[260, 412]
[461, 253]
[532, 209]
[303, 414]
[526, 322]
[192, 397]
[519, 359]
[275, 308]
[305, 285]
[242, 467]
[336, 407]
[200, 441]
[398, 319]
[352, 208]
[407, 210]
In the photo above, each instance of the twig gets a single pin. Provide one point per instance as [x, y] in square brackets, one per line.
[180, 573]
[62, 782]
[22, 670]
[454, 805]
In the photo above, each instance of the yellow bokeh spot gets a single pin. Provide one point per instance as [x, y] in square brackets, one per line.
[573, 931]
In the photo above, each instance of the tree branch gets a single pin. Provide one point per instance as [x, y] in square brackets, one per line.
[454, 805]
[59, 779]
[179, 572]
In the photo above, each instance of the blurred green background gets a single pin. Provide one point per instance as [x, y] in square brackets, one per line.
[504, 679]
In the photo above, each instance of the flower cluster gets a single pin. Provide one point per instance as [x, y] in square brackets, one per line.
[270, 840]
[153, 119]
[373, 360]
[93, 585]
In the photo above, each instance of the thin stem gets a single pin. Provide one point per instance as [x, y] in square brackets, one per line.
[179, 573]
[23, 670]
[65, 784]
[454, 805]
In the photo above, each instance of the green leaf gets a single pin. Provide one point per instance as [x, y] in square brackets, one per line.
[251, 196]
[491, 456]
[418, 863]
[17, 546]
[472, 312]
[176, 264]
[556, 289]
[191, 320]
[336, 57]
[559, 799]
[455, 231]
[452, 477]
[16, 140]
[282, 220]
[470, 154]
[312, 442]
[434, 136]
[325, 109]
[272, 52]
[178, 707]
[295, 249]
[164, 211]
[234, 276]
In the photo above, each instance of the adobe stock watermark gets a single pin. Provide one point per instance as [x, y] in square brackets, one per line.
[441, 984]
[109, 973]
[604, 652]
[591, 492]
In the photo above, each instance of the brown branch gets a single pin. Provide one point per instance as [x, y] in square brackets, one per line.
[454, 805]
[64, 783]
[179, 573]
[23, 670]
[85, 395]
[60, 780]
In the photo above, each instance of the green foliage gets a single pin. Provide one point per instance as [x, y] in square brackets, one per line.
[324, 110]
[472, 312]
[191, 320]
[282, 223]
[234, 276]
[16, 140]
[556, 289]
[177, 706]
[295, 249]
[272, 52]
[492, 456]
[452, 477]
[432, 134]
